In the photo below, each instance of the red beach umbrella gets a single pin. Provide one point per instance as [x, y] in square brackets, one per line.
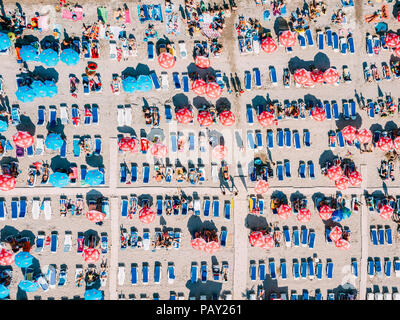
[364, 136]
[146, 215]
[318, 114]
[331, 75]
[302, 76]
[212, 247]
[6, 257]
[227, 118]
[284, 211]
[397, 51]
[166, 60]
[386, 212]
[269, 45]
[317, 76]
[7, 182]
[213, 90]
[219, 152]
[342, 183]
[95, 216]
[205, 118]
[325, 212]
[304, 215]
[23, 139]
[335, 234]
[202, 62]
[266, 118]
[127, 144]
[287, 38]
[349, 133]
[184, 115]
[396, 143]
[261, 187]
[392, 40]
[256, 239]
[355, 178]
[199, 87]
[385, 144]
[91, 255]
[334, 173]
[158, 150]
[342, 244]
[199, 244]
[269, 242]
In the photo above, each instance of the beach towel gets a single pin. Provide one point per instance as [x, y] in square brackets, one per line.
[127, 17]
[43, 23]
[151, 12]
[102, 14]
[173, 24]
[208, 31]
[67, 14]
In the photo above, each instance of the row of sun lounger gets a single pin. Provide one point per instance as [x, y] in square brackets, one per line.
[375, 43]
[135, 239]
[283, 138]
[91, 115]
[306, 268]
[375, 267]
[283, 169]
[304, 236]
[77, 148]
[157, 273]
[201, 274]
[383, 296]
[18, 208]
[381, 235]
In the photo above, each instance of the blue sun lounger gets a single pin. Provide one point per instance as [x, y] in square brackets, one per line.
[296, 239]
[320, 40]
[250, 139]
[296, 270]
[261, 270]
[350, 42]
[327, 233]
[343, 45]
[294, 296]
[174, 142]
[304, 237]
[381, 236]
[203, 272]
[259, 139]
[83, 174]
[206, 207]
[388, 268]
[216, 208]
[319, 271]
[318, 296]
[310, 268]
[122, 173]
[227, 210]
[306, 138]
[14, 209]
[257, 77]
[53, 242]
[335, 42]
[328, 33]
[145, 274]
[250, 117]
[272, 75]
[305, 295]
[150, 50]
[370, 51]
[97, 144]
[286, 235]
[335, 108]
[76, 147]
[288, 138]
[168, 114]
[303, 268]
[389, 239]
[328, 110]
[191, 141]
[309, 37]
[30, 151]
[185, 80]
[224, 235]
[22, 208]
[247, 80]
[261, 205]
[354, 268]
[193, 273]
[133, 172]
[311, 239]
[378, 267]
[134, 274]
[272, 270]
[159, 206]
[3, 210]
[41, 116]
[177, 83]
[283, 270]
[329, 270]
[353, 112]
[157, 273]
[302, 41]
[15, 117]
[311, 170]
[95, 115]
[280, 138]
[340, 139]
[146, 173]
[124, 207]
[270, 137]
[302, 170]
[287, 169]
[184, 210]
[155, 80]
[53, 117]
[346, 110]
[396, 266]
[63, 150]
[279, 171]
[253, 272]
[171, 273]
[371, 111]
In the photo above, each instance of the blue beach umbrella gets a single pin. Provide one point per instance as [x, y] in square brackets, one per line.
[346, 213]
[59, 179]
[54, 141]
[94, 294]
[39, 88]
[94, 177]
[4, 291]
[144, 83]
[49, 57]
[129, 84]
[337, 216]
[28, 53]
[3, 125]
[5, 41]
[51, 88]
[23, 259]
[70, 57]
[25, 94]
[28, 286]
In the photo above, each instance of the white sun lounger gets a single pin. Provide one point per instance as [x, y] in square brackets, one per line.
[35, 209]
[113, 50]
[121, 116]
[47, 209]
[63, 114]
[67, 241]
[121, 275]
[39, 146]
[164, 80]
[182, 49]
[128, 116]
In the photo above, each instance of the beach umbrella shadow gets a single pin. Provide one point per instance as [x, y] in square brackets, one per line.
[259, 101]
[58, 128]
[271, 286]
[375, 127]
[142, 69]
[296, 195]
[280, 24]
[93, 195]
[241, 175]
[59, 163]
[145, 197]
[48, 74]
[200, 102]
[223, 104]
[209, 288]
[357, 122]
[129, 72]
[180, 100]
[27, 125]
[280, 195]
[325, 156]
[94, 161]
[390, 125]
[194, 224]
[254, 222]
[8, 160]
[8, 231]
[21, 294]
[28, 234]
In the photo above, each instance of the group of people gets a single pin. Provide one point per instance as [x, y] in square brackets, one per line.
[151, 115]
[207, 235]
[164, 240]
[17, 243]
[69, 206]
[11, 169]
[14, 22]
